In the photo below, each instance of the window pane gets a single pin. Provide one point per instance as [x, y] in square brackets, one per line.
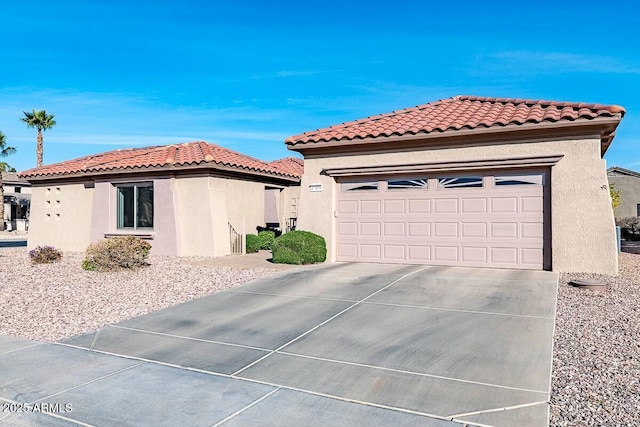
[405, 184]
[530, 179]
[125, 207]
[359, 186]
[460, 182]
[145, 207]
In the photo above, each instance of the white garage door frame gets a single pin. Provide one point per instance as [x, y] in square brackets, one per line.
[451, 220]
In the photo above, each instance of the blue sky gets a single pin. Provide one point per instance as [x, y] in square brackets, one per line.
[247, 74]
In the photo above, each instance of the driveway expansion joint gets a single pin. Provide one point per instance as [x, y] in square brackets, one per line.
[329, 320]
[255, 402]
[507, 408]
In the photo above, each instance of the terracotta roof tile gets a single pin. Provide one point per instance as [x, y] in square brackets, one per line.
[459, 112]
[292, 165]
[177, 155]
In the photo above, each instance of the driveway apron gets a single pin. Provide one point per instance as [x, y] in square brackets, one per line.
[339, 345]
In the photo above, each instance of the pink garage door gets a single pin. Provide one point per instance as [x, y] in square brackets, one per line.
[479, 220]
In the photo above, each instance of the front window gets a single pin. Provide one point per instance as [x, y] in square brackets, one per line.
[135, 205]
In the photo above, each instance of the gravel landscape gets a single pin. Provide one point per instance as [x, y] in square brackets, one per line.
[596, 366]
[51, 302]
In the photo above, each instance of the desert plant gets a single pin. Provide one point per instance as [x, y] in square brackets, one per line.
[44, 255]
[615, 197]
[299, 247]
[41, 121]
[266, 239]
[252, 243]
[116, 253]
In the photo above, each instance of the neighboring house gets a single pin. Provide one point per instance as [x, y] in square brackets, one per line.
[627, 182]
[17, 198]
[186, 199]
[465, 181]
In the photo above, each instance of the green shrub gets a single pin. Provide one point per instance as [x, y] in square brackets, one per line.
[253, 243]
[266, 239]
[299, 247]
[44, 255]
[116, 253]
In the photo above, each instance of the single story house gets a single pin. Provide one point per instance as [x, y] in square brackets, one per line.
[465, 181]
[187, 199]
[17, 198]
[627, 182]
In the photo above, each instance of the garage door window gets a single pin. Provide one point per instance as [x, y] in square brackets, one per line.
[408, 184]
[359, 186]
[509, 180]
[460, 182]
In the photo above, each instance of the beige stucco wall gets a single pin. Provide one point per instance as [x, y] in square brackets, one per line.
[582, 225]
[60, 216]
[629, 188]
[289, 204]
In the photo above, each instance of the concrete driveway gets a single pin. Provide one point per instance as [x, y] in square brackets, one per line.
[339, 345]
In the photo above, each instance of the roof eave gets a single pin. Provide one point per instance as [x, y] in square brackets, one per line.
[605, 127]
[165, 168]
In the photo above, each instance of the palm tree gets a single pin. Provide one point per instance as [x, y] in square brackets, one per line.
[41, 121]
[4, 167]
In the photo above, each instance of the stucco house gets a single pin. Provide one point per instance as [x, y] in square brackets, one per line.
[17, 198]
[627, 182]
[187, 199]
[465, 181]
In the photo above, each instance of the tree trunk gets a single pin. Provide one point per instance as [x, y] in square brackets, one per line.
[1, 204]
[39, 149]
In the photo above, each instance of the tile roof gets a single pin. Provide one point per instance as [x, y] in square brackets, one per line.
[293, 165]
[456, 113]
[12, 177]
[193, 154]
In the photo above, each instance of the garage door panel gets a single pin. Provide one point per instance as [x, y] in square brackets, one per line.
[508, 256]
[472, 254]
[394, 229]
[529, 230]
[474, 205]
[368, 229]
[419, 229]
[394, 252]
[532, 204]
[505, 226]
[473, 229]
[446, 206]
[370, 251]
[347, 229]
[394, 206]
[445, 229]
[445, 253]
[504, 229]
[419, 253]
[346, 207]
[370, 206]
[418, 206]
[504, 205]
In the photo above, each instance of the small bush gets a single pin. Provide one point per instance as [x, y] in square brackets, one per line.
[44, 255]
[252, 243]
[116, 253]
[266, 239]
[299, 247]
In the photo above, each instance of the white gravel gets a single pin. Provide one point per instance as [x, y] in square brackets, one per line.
[596, 363]
[51, 302]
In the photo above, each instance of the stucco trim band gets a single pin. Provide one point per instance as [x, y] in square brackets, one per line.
[512, 162]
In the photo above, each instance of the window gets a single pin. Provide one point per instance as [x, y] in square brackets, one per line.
[359, 186]
[638, 209]
[135, 205]
[17, 189]
[460, 182]
[529, 179]
[408, 184]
